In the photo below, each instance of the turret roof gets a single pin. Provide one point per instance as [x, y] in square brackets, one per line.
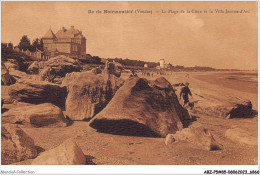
[49, 34]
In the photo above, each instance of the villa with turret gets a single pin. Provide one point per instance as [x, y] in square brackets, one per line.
[68, 42]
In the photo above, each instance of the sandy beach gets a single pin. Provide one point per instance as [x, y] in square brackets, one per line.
[209, 97]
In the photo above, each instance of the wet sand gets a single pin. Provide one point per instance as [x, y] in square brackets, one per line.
[242, 81]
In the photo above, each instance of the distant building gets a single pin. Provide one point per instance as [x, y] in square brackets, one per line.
[162, 63]
[38, 54]
[145, 65]
[69, 42]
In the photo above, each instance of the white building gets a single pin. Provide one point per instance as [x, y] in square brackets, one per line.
[162, 63]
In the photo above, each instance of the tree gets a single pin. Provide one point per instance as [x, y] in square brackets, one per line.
[25, 43]
[3, 45]
[40, 47]
[96, 60]
[34, 45]
[37, 44]
[10, 45]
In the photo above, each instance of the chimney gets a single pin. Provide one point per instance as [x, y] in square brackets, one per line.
[72, 28]
[63, 29]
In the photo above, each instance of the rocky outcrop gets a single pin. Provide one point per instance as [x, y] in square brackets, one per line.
[6, 78]
[33, 68]
[197, 135]
[57, 67]
[142, 108]
[5, 96]
[12, 64]
[162, 83]
[68, 153]
[96, 70]
[37, 92]
[111, 69]
[88, 93]
[15, 60]
[42, 115]
[243, 109]
[11, 72]
[233, 107]
[16, 145]
[241, 136]
[48, 74]
[18, 74]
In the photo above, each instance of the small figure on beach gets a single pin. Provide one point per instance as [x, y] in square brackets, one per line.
[133, 74]
[185, 92]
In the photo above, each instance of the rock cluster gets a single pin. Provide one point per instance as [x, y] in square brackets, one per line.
[56, 68]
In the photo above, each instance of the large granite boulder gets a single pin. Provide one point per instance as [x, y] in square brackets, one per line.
[16, 145]
[6, 78]
[41, 115]
[37, 92]
[68, 153]
[88, 93]
[57, 67]
[197, 135]
[142, 108]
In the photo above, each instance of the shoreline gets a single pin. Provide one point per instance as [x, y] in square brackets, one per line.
[230, 81]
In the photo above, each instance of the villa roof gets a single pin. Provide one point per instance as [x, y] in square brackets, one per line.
[68, 33]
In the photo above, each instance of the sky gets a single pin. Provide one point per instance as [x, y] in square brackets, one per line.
[217, 40]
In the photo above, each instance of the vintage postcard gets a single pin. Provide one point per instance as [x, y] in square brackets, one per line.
[129, 83]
